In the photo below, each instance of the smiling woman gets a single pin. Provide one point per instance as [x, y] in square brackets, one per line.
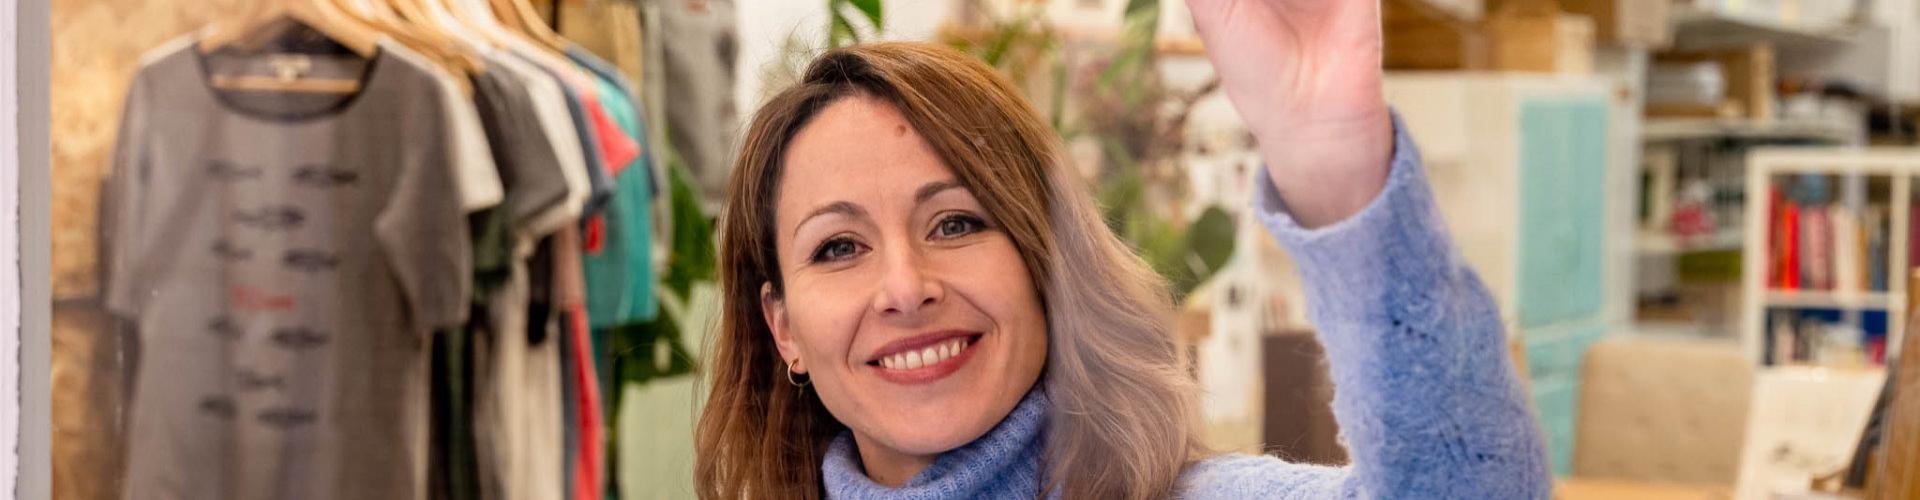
[897, 235]
[921, 301]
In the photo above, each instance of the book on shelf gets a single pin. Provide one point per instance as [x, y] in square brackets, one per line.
[1848, 254]
[1816, 248]
[1822, 338]
[1816, 243]
[1873, 228]
[1913, 228]
[1785, 242]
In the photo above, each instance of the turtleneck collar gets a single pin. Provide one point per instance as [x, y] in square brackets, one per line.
[1004, 463]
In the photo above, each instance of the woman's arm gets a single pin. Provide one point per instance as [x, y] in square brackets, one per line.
[1426, 397]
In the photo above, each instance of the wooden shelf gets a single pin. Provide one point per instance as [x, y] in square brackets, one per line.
[1703, 29]
[1678, 129]
[1653, 243]
[1821, 299]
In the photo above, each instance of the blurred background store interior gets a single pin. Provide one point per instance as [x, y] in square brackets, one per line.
[1699, 217]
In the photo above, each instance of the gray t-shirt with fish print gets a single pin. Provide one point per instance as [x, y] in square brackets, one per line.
[284, 257]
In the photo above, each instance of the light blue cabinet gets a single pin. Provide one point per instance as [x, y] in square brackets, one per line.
[1519, 166]
[1562, 210]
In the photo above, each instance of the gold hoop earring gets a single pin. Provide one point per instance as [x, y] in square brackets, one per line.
[790, 377]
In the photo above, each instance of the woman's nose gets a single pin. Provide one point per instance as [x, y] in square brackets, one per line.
[907, 286]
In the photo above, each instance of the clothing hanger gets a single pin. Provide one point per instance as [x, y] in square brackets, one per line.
[501, 21]
[522, 15]
[276, 18]
[375, 9]
[442, 50]
[436, 12]
[314, 15]
[415, 16]
[250, 83]
[475, 18]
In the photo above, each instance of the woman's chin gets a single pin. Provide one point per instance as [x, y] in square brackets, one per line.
[931, 438]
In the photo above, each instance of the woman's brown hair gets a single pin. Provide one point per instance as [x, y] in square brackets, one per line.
[1122, 420]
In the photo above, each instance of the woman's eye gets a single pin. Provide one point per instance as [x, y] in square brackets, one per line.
[836, 250]
[955, 226]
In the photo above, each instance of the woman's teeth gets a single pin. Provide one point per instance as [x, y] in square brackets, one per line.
[925, 357]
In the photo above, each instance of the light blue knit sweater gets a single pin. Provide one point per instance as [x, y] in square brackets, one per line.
[1425, 394]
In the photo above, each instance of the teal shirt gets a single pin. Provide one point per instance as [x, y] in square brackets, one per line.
[620, 277]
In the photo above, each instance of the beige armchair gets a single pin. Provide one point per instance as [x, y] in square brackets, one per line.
[1663, 410]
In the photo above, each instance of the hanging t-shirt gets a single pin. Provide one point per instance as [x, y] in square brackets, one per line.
[620, 276]
[517, 414]
[528, 164]
[476, 175]
[568, 296]
[283, 256]
[616, 148]
[588, 134]
[606, 72]
[530, 170]
[696, 44]
[550, 109]
[517, 422]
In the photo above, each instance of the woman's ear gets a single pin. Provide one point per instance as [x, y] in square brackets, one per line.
[773, 308]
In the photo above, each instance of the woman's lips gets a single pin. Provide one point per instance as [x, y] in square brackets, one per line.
[926, 362]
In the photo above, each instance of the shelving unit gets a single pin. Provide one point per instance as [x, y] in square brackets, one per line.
[1679, 129]
[1878, 301]
[1864, 174]
[1697, 27]
[1696, 274]
[1651, 243]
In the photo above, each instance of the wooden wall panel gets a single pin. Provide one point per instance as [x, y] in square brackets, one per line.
[97, 45]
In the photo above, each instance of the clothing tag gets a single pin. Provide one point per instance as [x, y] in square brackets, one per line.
[289, 67]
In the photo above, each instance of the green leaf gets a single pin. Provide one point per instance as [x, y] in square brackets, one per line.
[694, 256]
[870, 8]
[840, 29]
[840, 32]
[650, 351]
[1210, 239]
[1134, 6]
[1002, 42]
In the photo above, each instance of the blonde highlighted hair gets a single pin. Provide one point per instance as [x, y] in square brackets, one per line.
[1123, 410]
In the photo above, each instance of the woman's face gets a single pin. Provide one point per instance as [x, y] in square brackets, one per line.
[905, 303]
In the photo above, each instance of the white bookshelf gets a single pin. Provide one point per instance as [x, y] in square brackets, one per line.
[1859, 171]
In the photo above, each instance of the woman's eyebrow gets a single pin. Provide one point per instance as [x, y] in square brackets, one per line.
[927, 191]
[839, 207]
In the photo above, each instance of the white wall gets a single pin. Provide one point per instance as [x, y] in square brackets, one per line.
[765, 26]
[9, 256]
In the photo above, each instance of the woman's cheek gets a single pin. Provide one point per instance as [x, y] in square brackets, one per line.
[824, 315]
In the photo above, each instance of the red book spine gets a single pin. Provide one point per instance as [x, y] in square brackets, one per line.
[1913, 251]
[1790, 245]
[1776, 262]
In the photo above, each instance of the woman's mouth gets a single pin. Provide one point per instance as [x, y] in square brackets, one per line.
[925, 360]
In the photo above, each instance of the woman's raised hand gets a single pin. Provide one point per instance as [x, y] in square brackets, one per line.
[1305, 76]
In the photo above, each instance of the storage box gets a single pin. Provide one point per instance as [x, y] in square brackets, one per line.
[1421, 36]
[1519, 35]
[1632, 23]
[1749, 72]
[1539, 42]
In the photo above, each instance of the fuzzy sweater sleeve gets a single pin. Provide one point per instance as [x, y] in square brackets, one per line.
[1427, 399]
